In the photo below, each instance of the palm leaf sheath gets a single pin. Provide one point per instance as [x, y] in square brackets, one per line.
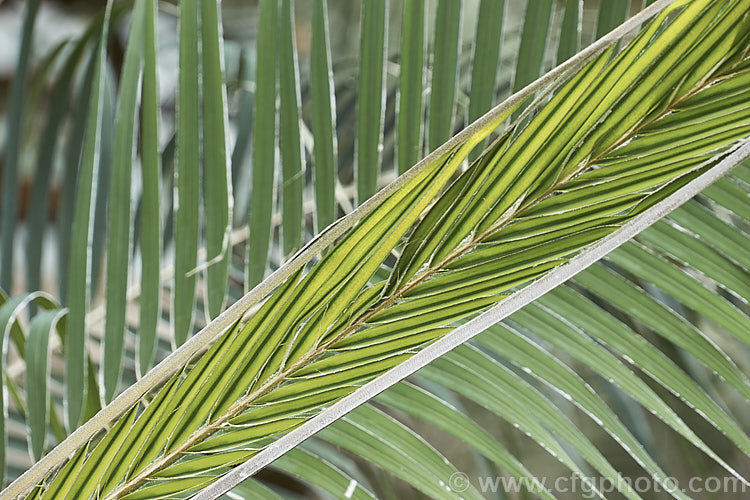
[621, 134]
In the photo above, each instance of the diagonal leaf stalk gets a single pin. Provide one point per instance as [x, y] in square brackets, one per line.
[198, 343]
[663, 111]
[478, 324]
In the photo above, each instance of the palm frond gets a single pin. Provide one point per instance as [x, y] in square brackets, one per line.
[12, 149]
[604, 147]
[653, 338]
[81, 238]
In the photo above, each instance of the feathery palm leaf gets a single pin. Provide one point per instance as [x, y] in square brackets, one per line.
[619, 135]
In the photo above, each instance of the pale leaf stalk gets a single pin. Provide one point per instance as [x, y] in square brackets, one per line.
[477, 325]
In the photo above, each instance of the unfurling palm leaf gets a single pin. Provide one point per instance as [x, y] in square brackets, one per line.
[618, 136]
